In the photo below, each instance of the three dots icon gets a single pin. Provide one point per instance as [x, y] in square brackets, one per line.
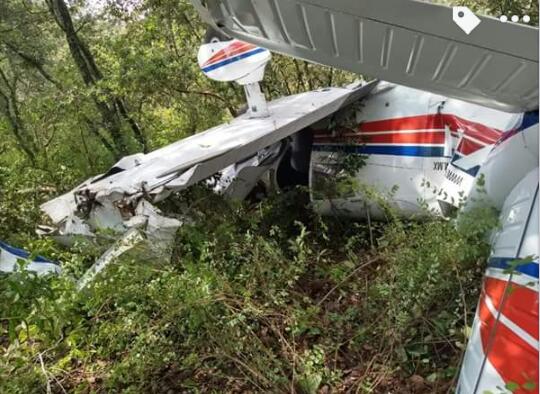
[515, 18]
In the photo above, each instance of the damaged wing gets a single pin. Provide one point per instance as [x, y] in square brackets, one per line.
[113, 200]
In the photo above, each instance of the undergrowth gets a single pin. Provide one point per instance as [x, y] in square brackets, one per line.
[264, 297]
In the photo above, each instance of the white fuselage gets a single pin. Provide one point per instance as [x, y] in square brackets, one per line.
[411, 140]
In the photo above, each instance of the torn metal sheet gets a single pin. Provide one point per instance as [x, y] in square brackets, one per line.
[111, 200]
[10, 257]
[238, 180]
[158, 229]
[412, 43]
[127, 242]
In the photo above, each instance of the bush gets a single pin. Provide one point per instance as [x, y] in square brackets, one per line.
[261, 297]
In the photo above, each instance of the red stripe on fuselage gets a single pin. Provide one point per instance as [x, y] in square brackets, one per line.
[234, 49]
[466, 147]
[513, 358]
[402, 130]
[430, 137]
[520, 305]
[434, 121]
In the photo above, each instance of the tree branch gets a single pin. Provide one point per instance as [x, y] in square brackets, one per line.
[32, 61]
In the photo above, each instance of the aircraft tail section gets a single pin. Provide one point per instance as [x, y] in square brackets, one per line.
[410, 43]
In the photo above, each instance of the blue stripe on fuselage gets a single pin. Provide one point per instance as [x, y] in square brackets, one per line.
[394, 150]
[507, 263]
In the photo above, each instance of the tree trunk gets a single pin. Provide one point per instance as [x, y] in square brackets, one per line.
[9, 106]
[112, 109]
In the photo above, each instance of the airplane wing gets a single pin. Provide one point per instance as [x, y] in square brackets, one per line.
[188, 161]
[412, 43]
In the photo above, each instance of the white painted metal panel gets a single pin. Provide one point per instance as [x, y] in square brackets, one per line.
[505, 166]
[10, 257]
[188, 161]
[503, 347]
[412, 43]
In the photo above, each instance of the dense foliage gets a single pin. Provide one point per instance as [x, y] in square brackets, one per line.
[265, 296]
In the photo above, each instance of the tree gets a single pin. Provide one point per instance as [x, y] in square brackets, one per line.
[111, 107]
[9, 107]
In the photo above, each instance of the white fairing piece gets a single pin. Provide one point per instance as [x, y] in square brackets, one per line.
[233, 60]
[241, 62]
[503, 347]
[515, 155]
[410, 138]
[10, 256]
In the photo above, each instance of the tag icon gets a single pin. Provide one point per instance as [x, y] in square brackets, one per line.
[465, 19]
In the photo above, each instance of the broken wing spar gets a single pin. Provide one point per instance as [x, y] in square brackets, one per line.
[186, 162]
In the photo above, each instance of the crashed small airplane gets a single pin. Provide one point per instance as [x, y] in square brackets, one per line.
[456, 108]
[412, 139]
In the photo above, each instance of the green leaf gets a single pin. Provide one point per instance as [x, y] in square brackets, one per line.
[511, 386]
